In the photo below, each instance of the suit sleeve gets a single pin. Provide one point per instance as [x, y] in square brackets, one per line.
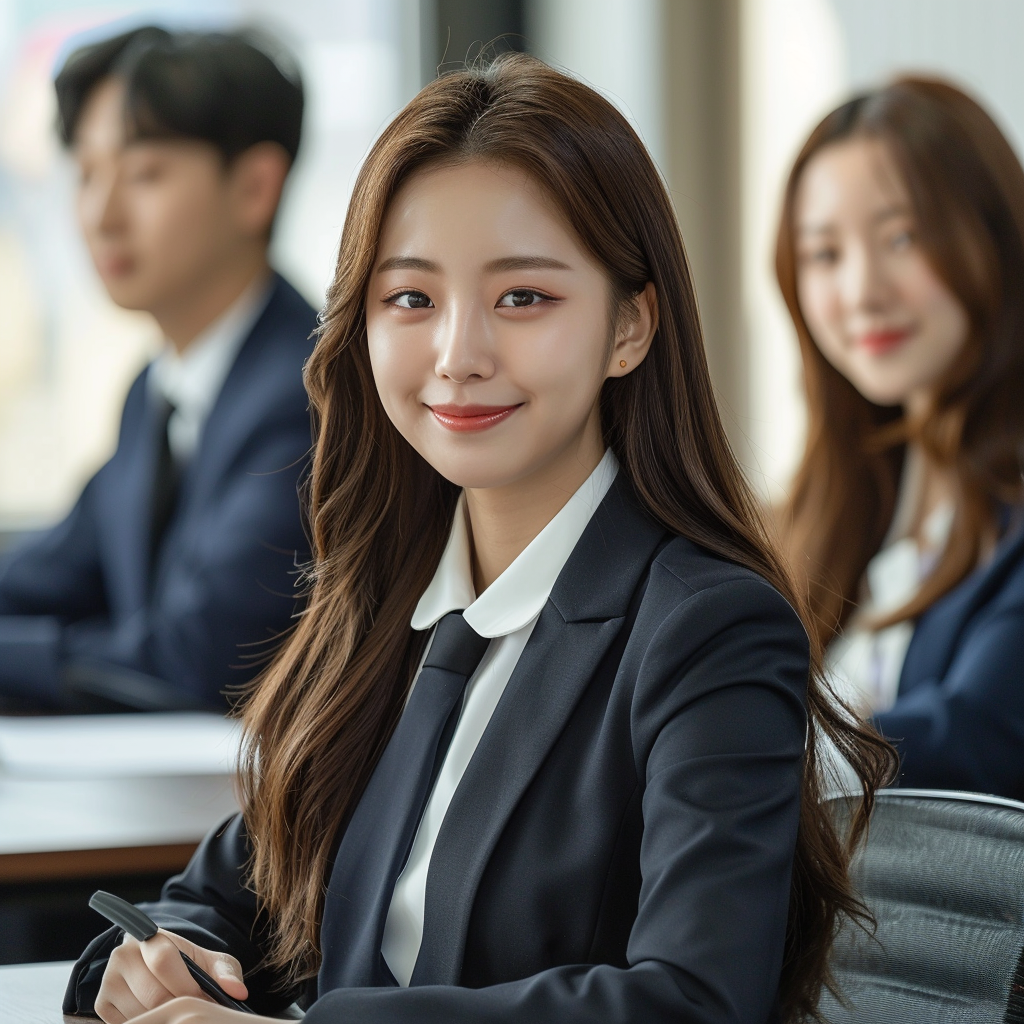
[51, 578]
[222, 603]
[207, 904]
[965, 730]
[719, 731]
[213, 620]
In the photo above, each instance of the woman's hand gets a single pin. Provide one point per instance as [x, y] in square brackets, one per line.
[141, 976]
[187, 1010]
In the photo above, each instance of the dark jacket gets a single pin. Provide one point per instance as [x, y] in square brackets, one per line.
[83, 616]
[958, 720]
[621, 845]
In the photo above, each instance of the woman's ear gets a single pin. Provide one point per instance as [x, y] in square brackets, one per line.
[635, 332]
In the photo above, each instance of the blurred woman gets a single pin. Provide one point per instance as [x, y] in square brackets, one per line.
[901, 257]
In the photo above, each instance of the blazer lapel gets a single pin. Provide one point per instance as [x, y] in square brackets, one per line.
[937, 634]
[576, 629]
[238, 406]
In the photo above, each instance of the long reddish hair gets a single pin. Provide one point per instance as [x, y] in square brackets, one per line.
[321, 715]
[967, 189]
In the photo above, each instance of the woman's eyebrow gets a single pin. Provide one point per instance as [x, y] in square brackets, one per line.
[408, 263]
[897, 210]
[824, 228]
[507, 263]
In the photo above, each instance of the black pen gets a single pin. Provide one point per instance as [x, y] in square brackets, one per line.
[140, 926]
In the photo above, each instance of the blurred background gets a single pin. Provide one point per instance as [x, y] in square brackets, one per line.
[722, 91]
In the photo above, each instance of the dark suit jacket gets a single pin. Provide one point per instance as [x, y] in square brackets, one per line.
[621, 845]
[958, 720]
[80, 610]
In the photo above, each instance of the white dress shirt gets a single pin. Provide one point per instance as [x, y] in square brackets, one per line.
[865, 664]
[192, 380]
[506, 611]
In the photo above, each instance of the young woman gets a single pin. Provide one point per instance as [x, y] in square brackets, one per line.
[594, 803]
[901, 257]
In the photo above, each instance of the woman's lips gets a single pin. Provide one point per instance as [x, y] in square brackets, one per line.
[115, 266]
[880, 342]
[471, 417]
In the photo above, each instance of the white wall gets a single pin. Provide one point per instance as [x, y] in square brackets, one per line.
[612, 45]
[793, 72]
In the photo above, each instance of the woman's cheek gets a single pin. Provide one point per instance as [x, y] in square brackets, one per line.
[392, 376]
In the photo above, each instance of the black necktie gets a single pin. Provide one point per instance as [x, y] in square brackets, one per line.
[376, 843]
[165, 480]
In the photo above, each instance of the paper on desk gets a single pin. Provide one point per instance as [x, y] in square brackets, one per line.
[104, 746]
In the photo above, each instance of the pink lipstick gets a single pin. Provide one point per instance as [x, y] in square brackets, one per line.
[878, 343]
[471, 417]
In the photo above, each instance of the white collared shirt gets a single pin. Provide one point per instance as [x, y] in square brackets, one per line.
[506, 612]
[192, 380]
[865, 664]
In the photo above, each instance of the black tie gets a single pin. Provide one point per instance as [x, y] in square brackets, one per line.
[376, 843]
[165, 480]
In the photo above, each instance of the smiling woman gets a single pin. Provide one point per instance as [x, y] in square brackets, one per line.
[901, 258]
[504, 329]
[537, 751]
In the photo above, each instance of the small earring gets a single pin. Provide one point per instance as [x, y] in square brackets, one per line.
[622, 363]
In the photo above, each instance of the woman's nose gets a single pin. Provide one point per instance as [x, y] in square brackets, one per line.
[864, 284]
[464, 345]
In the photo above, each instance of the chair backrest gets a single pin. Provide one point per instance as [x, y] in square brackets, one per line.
[943, 874]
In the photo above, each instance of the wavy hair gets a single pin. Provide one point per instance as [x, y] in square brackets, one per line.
[967, 190]
[321, 715]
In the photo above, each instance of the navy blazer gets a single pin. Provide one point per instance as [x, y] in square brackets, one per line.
[621, 844]
[81, 612]
[958, 720]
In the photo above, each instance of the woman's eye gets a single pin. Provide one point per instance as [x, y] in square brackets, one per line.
[520, 297]
[410, 300]
[903, 240]
[823, 257]
[145, 175]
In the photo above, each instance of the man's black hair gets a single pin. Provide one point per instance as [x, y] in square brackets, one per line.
[217, 87]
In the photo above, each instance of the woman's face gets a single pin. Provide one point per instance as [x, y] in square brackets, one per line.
[490, 328]
[873, 304]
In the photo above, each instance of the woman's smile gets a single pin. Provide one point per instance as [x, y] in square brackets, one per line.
[472, 417]
[882, 342]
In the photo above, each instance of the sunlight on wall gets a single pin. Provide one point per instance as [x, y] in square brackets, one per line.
[794, 72]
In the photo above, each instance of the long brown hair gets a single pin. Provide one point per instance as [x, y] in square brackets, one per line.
[318, 720]
[967, 190]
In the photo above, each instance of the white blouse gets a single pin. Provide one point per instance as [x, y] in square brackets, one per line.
[506, 611]
[865, 664]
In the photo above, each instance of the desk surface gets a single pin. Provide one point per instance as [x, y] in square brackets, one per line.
[65, 828]
[32, 993]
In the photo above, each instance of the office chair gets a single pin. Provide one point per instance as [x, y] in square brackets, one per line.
[943, 873]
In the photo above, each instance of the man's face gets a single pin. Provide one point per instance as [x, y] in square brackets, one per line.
[157, 216]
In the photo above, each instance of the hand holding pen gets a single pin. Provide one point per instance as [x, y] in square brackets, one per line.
[152, 969]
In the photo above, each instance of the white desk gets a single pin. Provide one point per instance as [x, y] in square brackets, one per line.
[32, 993]
[73, 828]
[110, 795]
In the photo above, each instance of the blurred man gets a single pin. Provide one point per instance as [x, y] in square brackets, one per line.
[175, 569]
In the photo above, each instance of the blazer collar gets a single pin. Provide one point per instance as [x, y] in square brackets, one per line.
[577, 628]
[517, 596]
[938, 631]
[231, 419]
